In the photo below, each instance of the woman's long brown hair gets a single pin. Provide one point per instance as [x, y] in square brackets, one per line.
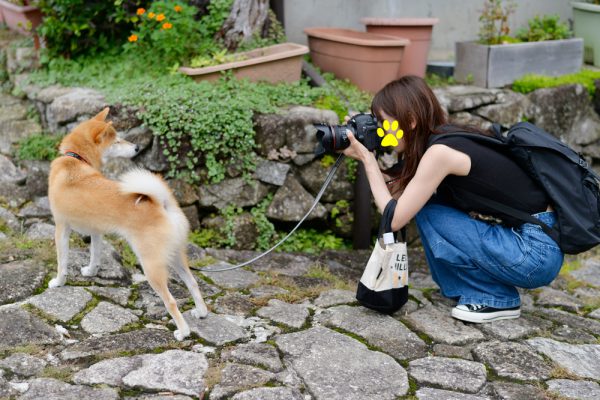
[412, 103]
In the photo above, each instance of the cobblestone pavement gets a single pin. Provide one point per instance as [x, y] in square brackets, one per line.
[287, 327]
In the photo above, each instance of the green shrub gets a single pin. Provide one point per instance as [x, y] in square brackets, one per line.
[531, 82]
[169, 29]
[39, 147]
[547, 27]
[74, 27]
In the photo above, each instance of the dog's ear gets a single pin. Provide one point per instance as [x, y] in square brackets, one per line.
[106, 133]
[102, 115]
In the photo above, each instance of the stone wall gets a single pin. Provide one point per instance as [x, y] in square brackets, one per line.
[286, 141]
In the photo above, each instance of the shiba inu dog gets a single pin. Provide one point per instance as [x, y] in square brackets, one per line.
[139, 207]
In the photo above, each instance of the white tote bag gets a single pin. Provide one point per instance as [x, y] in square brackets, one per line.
[384, 284]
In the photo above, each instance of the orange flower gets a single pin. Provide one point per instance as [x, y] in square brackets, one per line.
[177, 8]
[140, 11]
[160, 17]
[132, 38]
[167, 25]
[151, 15]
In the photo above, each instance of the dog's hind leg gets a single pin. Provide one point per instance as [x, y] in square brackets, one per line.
[183, 270]
[157, 274]
[95, 255]
[61, 239]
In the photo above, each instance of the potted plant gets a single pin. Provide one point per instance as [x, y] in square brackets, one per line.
[417, 30]
[586, 24]
[276, 63]
[367, 59]
[20, 15]
[497, 59]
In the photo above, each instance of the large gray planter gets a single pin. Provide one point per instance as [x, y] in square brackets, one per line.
[500, 65]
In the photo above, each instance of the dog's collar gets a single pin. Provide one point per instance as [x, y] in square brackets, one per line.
[75, 155]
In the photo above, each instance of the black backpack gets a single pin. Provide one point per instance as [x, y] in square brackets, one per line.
[566, 177]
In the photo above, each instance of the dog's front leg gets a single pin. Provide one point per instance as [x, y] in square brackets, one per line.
[95, 255]
[61, 238]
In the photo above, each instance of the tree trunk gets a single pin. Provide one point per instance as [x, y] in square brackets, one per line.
[247, 17]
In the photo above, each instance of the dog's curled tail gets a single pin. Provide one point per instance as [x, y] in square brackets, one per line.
[144, 182]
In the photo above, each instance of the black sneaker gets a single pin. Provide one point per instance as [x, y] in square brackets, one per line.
[480, 313]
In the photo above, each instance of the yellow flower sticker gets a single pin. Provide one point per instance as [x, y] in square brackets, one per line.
[391, 138]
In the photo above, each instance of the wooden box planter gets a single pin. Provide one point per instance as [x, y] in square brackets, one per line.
[500, 65]
[417, 30]
[367, 59]
[278, 63]
[22, 19]
[586, 25]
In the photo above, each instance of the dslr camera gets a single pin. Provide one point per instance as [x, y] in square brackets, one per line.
[332, 138]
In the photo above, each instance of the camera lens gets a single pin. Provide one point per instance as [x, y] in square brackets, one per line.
[332, 138]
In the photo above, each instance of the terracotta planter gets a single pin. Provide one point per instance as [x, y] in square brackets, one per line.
[368, 60]
[278, 63]
[22, 19]
[417, 30]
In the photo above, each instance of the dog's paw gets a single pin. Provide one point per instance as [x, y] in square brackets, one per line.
[56, 282]
[181, 334]
[199, 312]
[89, 271]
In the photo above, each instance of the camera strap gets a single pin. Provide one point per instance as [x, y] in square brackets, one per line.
[317, 198]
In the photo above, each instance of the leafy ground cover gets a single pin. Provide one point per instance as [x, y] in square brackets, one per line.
[529, 83]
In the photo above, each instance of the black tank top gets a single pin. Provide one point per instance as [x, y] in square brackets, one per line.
[493, 175]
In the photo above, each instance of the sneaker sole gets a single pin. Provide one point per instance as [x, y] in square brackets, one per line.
[470, 316]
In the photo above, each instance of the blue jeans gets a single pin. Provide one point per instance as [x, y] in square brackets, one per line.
[479, 263]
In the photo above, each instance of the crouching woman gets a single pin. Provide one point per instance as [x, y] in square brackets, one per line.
[476, 255]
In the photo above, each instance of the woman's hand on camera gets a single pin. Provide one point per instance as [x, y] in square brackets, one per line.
[356, 150]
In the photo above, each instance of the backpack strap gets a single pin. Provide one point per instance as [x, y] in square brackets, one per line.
[493, 140]
[521, 215]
